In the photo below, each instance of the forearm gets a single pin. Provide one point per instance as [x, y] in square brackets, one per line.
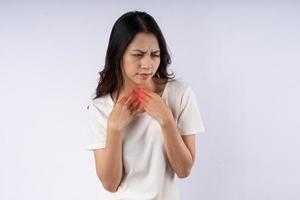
[112, 165]
[179, 156]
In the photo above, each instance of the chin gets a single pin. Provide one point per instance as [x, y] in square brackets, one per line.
[142, 82]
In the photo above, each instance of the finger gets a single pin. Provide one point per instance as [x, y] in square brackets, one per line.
[122, 100]
[142, 91]
[140, 108]
[134, 113]
[135, 104]
[148, 92]
[134, 95]
[144, 99]
[128, 100]
[145, 95]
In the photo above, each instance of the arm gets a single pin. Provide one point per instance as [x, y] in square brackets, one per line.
[109, 164]
[180, 149]
[109, 161]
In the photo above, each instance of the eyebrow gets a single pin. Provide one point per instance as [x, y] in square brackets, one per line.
[156, 51]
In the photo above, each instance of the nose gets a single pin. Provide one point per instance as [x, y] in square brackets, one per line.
[145, 66]
[146, 62]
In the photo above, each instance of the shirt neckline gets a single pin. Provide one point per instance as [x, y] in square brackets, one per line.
[111, 101]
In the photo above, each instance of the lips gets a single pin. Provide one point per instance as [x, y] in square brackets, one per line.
[143, 74]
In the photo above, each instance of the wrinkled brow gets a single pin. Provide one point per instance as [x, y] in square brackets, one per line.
[155, 51]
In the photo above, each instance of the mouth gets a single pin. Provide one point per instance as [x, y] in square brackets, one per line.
[143, 75]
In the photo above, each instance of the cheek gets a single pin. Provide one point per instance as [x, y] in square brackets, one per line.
[130, 66]
[156, 65]
[157, 62]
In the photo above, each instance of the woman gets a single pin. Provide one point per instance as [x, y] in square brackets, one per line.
[143, 121]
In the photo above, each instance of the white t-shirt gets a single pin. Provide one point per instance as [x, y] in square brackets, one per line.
[148, 175]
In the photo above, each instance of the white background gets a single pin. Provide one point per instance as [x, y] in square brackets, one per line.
[241, 58]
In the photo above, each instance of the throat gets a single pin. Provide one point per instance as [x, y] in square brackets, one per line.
[156, 85]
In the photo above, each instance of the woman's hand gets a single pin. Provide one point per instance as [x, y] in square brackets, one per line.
[123, 112]
[154, 105]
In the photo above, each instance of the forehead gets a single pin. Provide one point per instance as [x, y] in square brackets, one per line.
[144, 41]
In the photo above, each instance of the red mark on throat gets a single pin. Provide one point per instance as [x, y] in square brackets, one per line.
[139, 95]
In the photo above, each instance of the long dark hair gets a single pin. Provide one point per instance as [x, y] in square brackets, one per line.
[123, 32]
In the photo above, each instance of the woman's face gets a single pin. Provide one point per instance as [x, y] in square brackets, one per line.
[141, 59]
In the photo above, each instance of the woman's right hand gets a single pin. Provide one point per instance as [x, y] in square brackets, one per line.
[123, 112]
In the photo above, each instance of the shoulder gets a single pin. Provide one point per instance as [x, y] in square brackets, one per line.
[99, 104]
[177, 87]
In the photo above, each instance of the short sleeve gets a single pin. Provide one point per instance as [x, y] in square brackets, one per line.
[96, 137]
[189, 118]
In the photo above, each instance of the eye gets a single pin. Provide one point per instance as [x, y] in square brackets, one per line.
[155, 55]
[137, 55]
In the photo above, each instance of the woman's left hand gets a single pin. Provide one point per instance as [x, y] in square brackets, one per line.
[154, 105]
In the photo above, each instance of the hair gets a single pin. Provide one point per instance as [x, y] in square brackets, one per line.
[122, 33]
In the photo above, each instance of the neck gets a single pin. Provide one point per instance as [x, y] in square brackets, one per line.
[127, 88]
